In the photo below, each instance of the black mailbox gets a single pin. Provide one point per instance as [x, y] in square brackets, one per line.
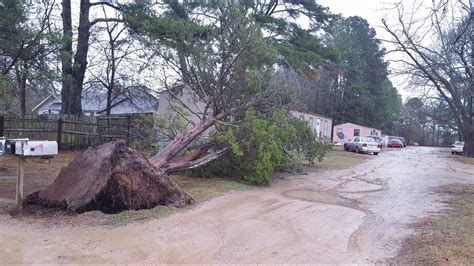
[9, 146]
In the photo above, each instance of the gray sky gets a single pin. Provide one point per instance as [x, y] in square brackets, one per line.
[373, 11]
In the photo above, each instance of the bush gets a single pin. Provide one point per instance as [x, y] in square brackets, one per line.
[263, 144]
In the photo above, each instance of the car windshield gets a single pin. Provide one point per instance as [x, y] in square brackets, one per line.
[459, 142]
[368, 139]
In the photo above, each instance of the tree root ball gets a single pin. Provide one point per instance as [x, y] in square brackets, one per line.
[110, 178]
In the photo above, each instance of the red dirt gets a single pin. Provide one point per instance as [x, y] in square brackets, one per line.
[110, 178]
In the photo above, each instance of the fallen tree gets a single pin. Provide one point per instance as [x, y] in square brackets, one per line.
[110, 178]
[220, 54]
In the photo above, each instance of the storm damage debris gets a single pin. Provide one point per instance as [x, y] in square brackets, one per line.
[110, 178]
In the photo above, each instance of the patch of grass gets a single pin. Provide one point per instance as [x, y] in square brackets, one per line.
[337, 159]
[202, 189]
[446, 239]
[126, 217]
[7, 182]
[37, 167]
[464, 159]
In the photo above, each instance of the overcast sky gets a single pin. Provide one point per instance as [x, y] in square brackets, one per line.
[373, 11]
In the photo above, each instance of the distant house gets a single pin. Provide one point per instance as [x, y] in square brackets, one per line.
[133, 99]
[320, 124]
[348, 131]
[49, 105]
[183, 103]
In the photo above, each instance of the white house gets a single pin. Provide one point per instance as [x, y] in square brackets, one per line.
[322, 125]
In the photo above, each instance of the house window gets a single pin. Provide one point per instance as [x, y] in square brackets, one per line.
[302, 117]
[326, 128]
[311, 122]
[356, 132]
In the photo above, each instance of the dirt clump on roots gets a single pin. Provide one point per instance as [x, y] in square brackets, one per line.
[110, 178]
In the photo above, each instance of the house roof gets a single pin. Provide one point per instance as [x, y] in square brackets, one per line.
[132, 99]
[310, 113]
[356, 125]
[52, 97]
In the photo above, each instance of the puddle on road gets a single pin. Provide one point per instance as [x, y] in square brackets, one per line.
[323, 197]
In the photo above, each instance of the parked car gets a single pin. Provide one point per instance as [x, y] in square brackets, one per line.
[457, 147]
[395, 143]
[402, 139]
[364, 145]
[378, 139]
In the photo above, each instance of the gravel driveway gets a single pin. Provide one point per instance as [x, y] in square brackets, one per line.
[357, 215]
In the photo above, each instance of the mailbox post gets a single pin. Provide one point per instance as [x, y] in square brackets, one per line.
[24, 148]
[20, 171]
[20, 180]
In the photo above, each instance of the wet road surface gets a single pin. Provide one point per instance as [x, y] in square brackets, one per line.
[357, 215]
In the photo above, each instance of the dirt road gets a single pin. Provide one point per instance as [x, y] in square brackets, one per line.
[357, 215]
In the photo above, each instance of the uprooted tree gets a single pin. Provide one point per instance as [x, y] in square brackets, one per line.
[220, 53]
[110, 178]
[437, 52]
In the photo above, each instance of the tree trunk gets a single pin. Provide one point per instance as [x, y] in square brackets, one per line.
[437, 137]
[468, 131]
[109, 100]
[112, 76]
[468, 141]
[182, 165]
[80, 59]
[21, 83]
[181, 141]
[66, 56]
[73, 74]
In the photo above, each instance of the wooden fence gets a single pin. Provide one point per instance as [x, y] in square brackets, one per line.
[71, 131]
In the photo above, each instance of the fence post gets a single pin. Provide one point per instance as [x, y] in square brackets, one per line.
[60, 128]
[1, 125]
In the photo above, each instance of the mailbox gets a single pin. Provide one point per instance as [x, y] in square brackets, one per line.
[9, 146]
[36, 148]
[2, 145]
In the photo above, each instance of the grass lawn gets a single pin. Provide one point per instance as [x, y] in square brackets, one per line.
[338, 159]
[446, 239]
[465, 160]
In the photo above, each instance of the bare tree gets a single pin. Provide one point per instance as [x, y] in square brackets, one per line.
[436, 50]
[114, 47]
